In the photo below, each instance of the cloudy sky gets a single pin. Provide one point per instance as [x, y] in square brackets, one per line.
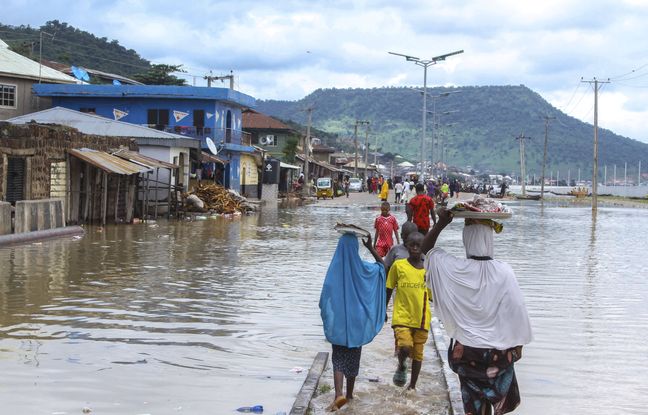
[286, 49]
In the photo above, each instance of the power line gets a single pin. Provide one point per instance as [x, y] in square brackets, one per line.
[618, 77]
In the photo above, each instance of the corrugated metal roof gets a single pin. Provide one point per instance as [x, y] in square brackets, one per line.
[108, 162]
[288, 166]
[92, 124]
[206, 157]
[256, 120]
[146, 91]
[13, 64]
[143, 160]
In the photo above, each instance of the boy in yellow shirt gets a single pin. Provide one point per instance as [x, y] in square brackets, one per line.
[411, 315]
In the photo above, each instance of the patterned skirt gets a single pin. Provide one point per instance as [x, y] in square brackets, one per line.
[346, 360]
[487, 377]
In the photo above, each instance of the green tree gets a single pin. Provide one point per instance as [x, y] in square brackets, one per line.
[290, 149]
[160, 74]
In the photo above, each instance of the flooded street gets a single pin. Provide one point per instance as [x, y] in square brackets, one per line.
[208, 316]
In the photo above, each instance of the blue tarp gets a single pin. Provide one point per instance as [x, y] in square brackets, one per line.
[352, 303]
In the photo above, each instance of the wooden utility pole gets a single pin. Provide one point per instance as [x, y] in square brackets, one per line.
[306, 188]
[597, 88]
[544, 159]
[521, 138]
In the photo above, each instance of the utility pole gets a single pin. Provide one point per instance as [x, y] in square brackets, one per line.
[521, 138]
[639, 175]
[597, 88]
[544, 158]
[355, 142]
[366, 149]
[40, 53]
[306, 188]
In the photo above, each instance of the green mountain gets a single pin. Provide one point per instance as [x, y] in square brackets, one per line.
[484, 122]
[66, 44]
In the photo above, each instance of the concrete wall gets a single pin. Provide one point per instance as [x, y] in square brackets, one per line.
[38, 215]
[5, 218]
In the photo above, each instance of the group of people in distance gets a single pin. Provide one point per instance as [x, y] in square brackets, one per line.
[477, 299]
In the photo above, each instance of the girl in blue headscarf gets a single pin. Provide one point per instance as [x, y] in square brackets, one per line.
[352, 306]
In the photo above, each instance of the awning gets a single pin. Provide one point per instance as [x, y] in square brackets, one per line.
[108, 162]
[288, 166]
[205, 157]
[143, 160]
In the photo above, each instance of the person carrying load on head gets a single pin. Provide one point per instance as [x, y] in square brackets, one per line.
[482, 309]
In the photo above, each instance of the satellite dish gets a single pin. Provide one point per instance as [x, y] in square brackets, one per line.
[116, 82]
[80, 73]
[211, 146]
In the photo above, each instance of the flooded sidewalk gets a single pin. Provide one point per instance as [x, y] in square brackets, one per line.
[374, 391]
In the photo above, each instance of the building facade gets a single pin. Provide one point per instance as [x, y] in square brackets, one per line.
[213, 115]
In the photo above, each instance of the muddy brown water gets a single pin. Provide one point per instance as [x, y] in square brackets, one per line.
[207, 316]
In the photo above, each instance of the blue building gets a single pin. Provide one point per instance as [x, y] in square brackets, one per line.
[196, 112]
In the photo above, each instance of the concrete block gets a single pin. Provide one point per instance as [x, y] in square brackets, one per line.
[270, 192]
[5, 218]
[38, 215]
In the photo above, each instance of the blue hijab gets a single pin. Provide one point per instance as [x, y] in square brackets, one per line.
[352, 303]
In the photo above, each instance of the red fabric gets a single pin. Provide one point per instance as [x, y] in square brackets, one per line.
[421, 206]
[386, 226]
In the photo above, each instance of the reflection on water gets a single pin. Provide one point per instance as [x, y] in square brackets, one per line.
[207, 316]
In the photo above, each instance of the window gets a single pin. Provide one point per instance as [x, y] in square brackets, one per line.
[158, 119]
[8, 96]
[88, 110]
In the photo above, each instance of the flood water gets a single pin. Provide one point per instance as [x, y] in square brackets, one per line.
[207, 316]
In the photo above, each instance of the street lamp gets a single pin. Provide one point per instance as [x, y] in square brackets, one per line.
[425, 63]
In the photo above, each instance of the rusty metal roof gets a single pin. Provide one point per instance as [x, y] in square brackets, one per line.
[108, 162]
[143, 160]
[209, 158]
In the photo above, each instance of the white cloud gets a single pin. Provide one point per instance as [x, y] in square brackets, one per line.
[285, 50]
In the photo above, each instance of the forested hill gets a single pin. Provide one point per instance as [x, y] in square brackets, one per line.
[74, 47]
[484, 122]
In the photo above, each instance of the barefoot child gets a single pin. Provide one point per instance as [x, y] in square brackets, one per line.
[352, 307]
[411, 315]
[385, 225]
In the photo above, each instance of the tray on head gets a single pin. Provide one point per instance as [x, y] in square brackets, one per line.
[469, 214]
[352, 229]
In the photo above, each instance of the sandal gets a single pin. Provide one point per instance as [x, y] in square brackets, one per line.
[400, 376]
[337, 404]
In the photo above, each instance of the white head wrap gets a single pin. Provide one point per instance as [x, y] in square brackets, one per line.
[478, 240]
[479, 302]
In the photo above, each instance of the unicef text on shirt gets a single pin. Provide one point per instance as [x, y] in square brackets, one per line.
[412, 285]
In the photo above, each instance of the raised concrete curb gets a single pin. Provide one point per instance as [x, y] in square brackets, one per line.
[452, 383]
[26, 237]
[300, 407]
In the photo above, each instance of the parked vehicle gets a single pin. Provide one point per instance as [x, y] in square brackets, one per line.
[355, 185]
[324, 187]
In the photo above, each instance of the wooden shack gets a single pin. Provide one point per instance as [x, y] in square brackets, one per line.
[43, 161]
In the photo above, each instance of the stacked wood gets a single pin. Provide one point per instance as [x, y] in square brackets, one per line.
[218, 199]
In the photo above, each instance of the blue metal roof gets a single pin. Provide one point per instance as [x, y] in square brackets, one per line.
[145, 91]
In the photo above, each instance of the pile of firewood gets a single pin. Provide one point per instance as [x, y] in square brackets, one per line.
[217, 199]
